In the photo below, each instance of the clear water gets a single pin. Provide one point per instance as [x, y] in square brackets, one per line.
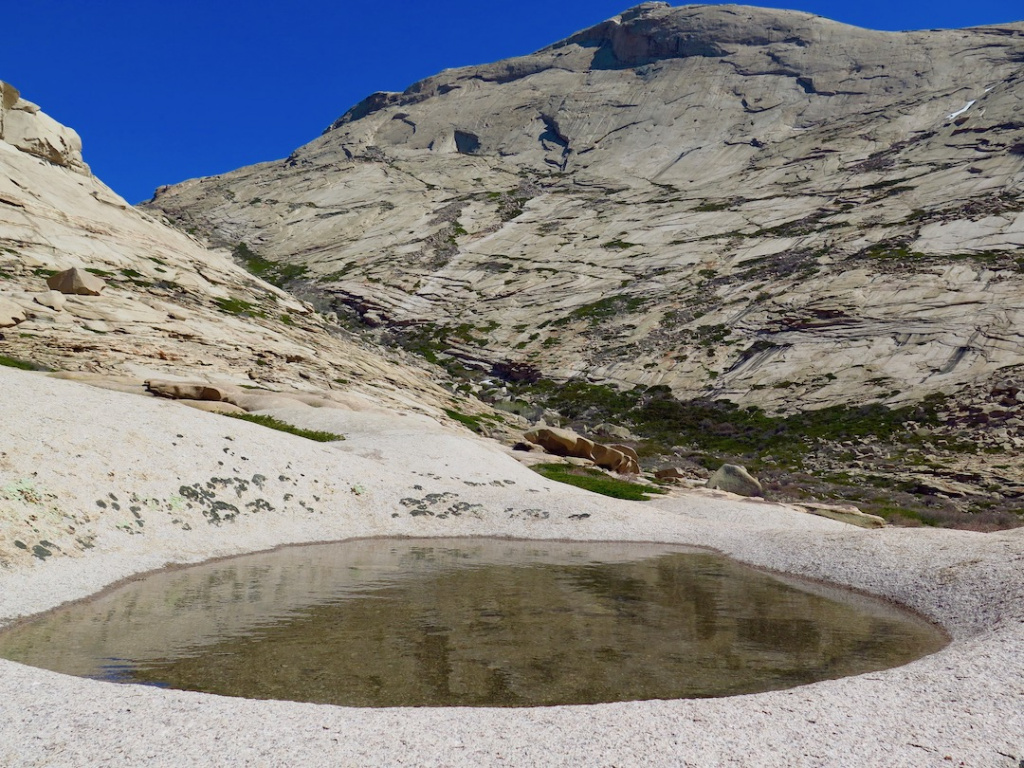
[472, 622]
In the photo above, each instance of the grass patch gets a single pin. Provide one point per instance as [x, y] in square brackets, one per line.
[283, 426]
[596, 481]
[23, 365]
[708, 206]
[473, 422]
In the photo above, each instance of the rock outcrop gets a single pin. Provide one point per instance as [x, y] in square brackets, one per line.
[670, 474]
[844, 513]
[25, 127]
[55, 300]
[10, 313]
[564, 442]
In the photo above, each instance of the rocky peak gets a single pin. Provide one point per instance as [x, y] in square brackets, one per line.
[643, 35]
[728, 219]
[24, 126]
[654, 31]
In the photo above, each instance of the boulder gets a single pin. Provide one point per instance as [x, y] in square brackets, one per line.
[613, 430]
[76, 281]
[735, 479]
[55, 300]
[627, 450]
[673, 474]
[609, 458]
[613, 458]
[184, 390]
[10, 313]
[560, 442]
[96, 326]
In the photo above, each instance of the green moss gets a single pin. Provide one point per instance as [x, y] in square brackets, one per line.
[618, 244]
[596, 481]
[283, 426]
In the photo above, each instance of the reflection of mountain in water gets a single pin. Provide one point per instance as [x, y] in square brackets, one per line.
[375, 623]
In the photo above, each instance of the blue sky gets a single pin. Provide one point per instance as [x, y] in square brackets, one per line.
[162, 91]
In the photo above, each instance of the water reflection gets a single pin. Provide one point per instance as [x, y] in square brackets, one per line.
[472, 623]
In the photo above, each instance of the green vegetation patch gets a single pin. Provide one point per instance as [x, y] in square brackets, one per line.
[473, 422]
[11, 362]
[239, 307]
[274, 272]
[603, 309]
[722, 427]
[283, 426]
[24, 365]
[596, 481]
[709, 206]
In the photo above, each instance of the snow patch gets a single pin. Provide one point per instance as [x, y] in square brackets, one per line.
[959, 112]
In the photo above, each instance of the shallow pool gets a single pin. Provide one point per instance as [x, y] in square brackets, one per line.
[472, 622]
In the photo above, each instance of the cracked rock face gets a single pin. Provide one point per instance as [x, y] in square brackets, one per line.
[735, 202]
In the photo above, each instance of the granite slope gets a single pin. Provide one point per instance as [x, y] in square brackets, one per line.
[764, 206]
[171, 307]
